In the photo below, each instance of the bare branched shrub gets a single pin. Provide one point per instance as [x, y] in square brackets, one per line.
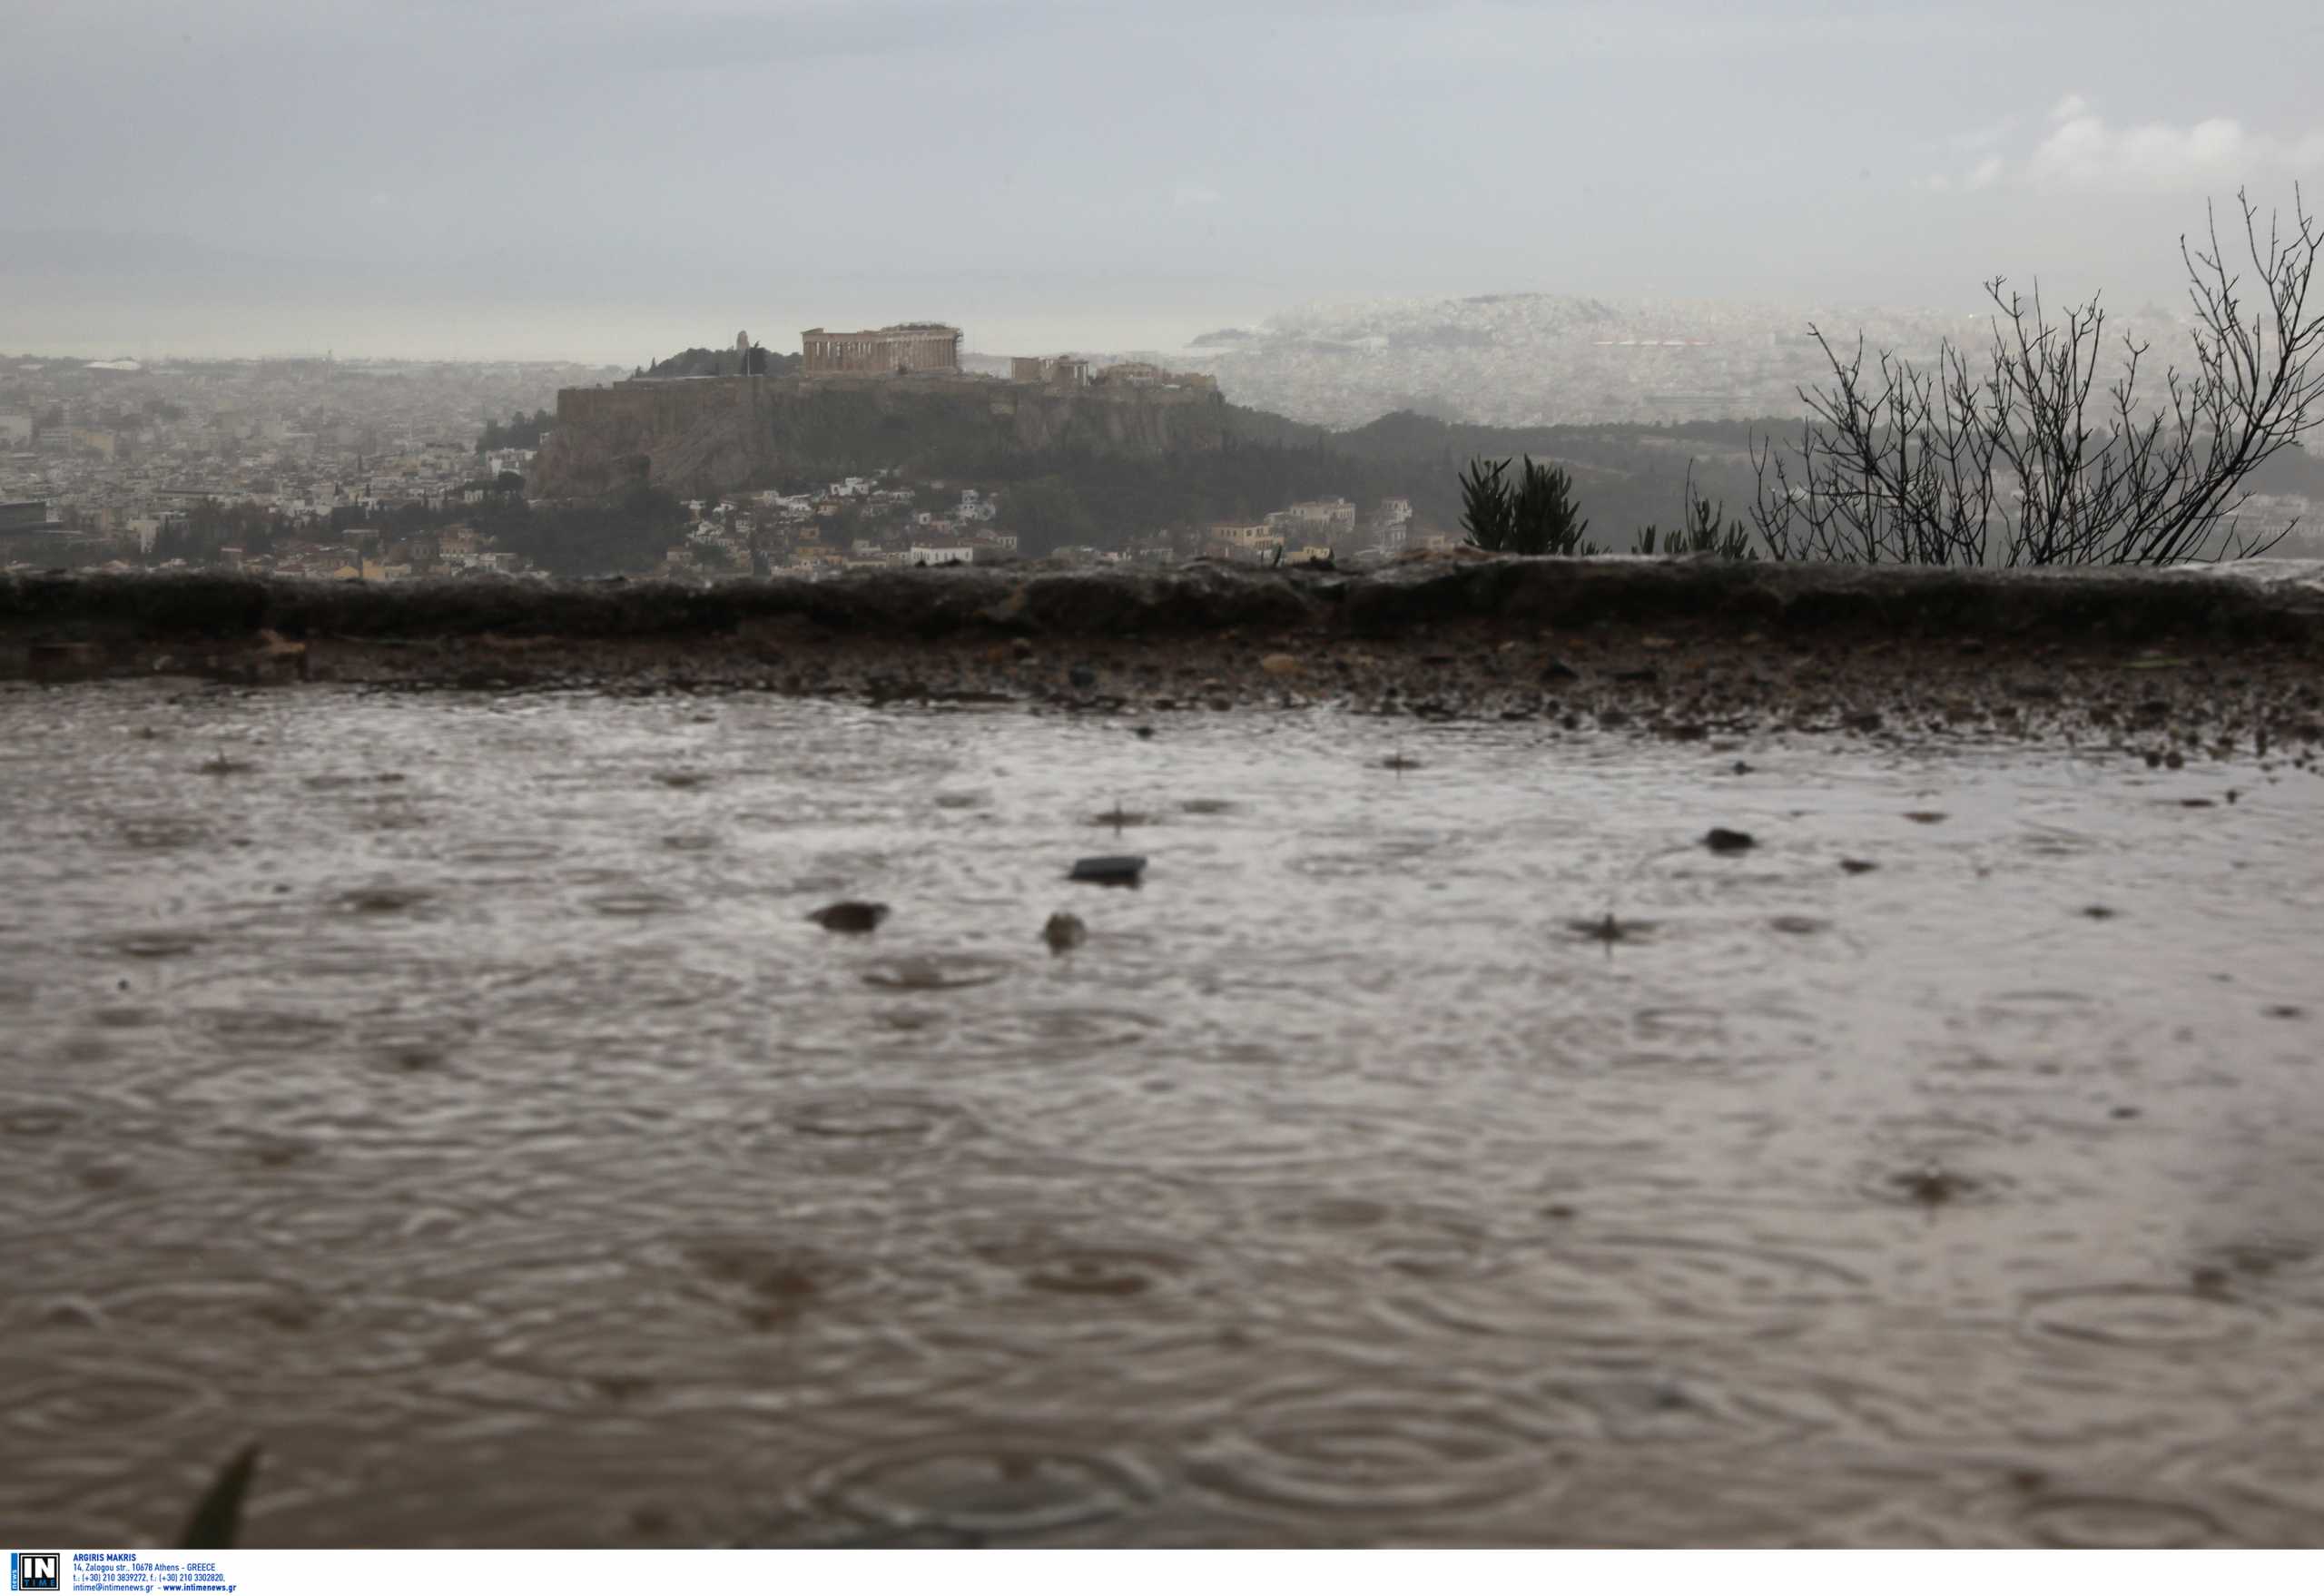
[2027, 461]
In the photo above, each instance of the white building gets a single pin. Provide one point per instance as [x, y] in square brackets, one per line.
[148, 527]
[1393, 522]
[1321, 519]
[940, 553]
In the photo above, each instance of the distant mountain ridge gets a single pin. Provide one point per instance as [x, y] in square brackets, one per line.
[1538, 359]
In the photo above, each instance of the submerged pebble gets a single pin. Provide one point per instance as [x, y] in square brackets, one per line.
[1112, 869]
[851, 918]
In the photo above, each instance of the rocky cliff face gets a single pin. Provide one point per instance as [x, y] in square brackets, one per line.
[718, 434]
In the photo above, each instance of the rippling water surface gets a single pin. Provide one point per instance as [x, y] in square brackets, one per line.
[453, 1093]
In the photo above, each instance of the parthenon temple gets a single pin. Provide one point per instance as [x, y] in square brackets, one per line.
[908, 346]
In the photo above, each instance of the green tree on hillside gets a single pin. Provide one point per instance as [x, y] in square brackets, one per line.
[521, 432]
[1047, 515]
[628, 536]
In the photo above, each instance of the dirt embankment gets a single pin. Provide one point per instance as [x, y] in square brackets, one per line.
[2173, 663]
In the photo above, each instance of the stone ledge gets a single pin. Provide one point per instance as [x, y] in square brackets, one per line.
[2272, 602]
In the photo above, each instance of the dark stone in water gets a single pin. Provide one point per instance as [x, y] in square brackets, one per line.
[1082, 676]
[1111, 870]
[1610, 930]
[1720, 840]
[1857, 866]
[855, 918]
[1064, 931]
[1931, 1187]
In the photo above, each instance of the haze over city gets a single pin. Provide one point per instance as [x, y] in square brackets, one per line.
[590, 181]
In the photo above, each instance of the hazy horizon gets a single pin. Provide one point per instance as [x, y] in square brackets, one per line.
[594, 182]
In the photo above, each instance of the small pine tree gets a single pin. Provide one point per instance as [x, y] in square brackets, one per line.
[1487, 514]
[1544, 515]
[1706, 530]
[1536, 516]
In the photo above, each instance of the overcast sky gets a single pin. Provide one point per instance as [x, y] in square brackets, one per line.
[601, 179]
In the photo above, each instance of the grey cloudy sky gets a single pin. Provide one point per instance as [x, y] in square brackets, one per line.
[604, 180]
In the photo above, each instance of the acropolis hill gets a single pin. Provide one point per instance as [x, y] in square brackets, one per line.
[717, 434]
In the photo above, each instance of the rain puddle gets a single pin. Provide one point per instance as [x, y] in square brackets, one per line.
[1445, 1143]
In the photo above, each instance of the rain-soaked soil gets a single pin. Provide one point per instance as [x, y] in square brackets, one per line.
[1444, 1143]
[2177, 663]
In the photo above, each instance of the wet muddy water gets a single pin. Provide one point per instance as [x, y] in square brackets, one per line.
[453, 1093]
